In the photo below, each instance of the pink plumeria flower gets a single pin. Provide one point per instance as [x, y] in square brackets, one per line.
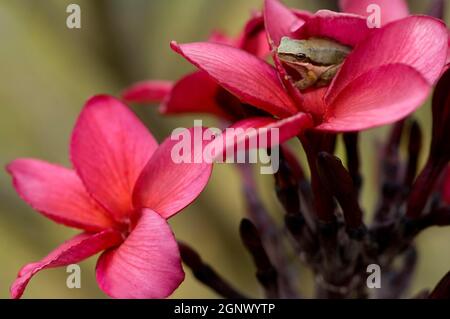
[198, 92]
[388, 74]
[120, 193]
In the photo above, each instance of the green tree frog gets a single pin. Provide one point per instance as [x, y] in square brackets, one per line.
[316, 60]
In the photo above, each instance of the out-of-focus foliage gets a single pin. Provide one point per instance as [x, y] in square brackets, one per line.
[49, 71]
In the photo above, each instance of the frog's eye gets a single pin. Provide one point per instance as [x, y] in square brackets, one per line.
[301, 56]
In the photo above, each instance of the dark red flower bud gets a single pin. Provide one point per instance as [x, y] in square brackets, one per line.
[340, 184]
[442, 290]
[414, 147]
[439, 153]
[353, 162]
[440, 146]
[437, 9]
[266, 272]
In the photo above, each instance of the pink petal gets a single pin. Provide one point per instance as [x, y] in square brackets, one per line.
[146, 265]
[280, 21]
[313, 102]
[257, 129]
[288, 127]
[147, 92]
[380, 96]
[195, 93]
[390, 9]
[448, 53]
[72, 251]
[251, 79]
[288, 83]
[167, 184]
[109, 149]
[418, 41]
[347, 29]
[253, 39]
[58, 193]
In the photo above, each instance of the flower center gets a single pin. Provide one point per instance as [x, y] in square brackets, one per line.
[127, 224]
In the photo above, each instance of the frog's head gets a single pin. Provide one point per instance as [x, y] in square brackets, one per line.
[292, 51]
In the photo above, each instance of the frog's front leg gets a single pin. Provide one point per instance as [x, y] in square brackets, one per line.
[327, 76]
[309, 78]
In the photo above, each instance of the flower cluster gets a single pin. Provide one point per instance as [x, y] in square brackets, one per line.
[329, 74]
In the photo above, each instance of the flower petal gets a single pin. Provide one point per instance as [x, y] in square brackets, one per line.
[390, 9]
[251, 79]
[288, 83]
[448, 53]
[109, 149]
[168, 183]
[147, 92]
[72, 251]
[253, 38]
[280, 21]
[417, 41]
[257, 132]
[195, 93]
[313, 102]
[146, 265]
[58, 193]
[288, 127]
[380, 96]
[345, 28]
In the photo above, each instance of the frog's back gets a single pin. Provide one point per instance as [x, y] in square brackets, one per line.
[326, 52]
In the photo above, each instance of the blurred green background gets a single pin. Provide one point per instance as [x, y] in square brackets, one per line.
[49, 71]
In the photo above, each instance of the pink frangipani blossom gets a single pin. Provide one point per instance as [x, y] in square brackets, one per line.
[388, 74]
[121, 192]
